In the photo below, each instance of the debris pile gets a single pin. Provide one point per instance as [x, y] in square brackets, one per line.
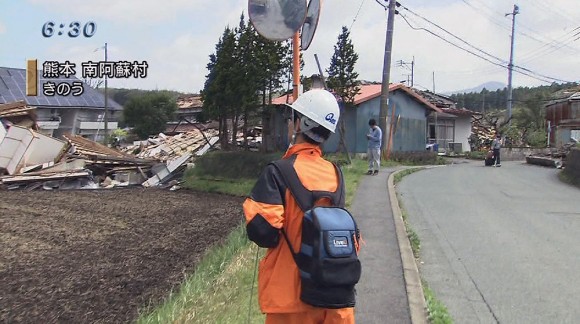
[554, 157]
[18, 113]
[482, 133]
[254, 138]
[165, 148]
[31, 160]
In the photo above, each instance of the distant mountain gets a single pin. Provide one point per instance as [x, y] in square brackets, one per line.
[490, 86]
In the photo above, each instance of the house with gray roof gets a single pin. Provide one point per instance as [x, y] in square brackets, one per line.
[57, 115]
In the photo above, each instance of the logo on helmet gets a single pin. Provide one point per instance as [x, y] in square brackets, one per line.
[330, 118]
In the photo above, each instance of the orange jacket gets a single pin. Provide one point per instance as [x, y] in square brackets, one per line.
[271, 207]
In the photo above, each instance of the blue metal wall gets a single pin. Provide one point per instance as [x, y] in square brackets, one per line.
[410, 135]
[411, 131]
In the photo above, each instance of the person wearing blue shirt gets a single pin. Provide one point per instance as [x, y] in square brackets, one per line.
[374, 136]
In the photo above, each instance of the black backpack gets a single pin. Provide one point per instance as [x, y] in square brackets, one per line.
[327, 260]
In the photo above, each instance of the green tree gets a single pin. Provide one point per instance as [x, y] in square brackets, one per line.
[342, 77]
[218, 94]
[244, 67]
[148, 114]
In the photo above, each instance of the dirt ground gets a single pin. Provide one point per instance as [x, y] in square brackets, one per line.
[101, 256]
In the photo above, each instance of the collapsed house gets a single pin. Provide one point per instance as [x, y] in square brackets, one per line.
[30, 159]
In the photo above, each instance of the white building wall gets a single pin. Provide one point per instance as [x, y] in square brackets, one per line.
[463, 131]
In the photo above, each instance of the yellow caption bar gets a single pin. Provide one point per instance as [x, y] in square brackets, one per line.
[31, 78]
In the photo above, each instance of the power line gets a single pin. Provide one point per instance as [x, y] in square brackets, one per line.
[493, 19]
[490, 13]
[356, 16]
[552, 7]
[544, 50]
[547, 40]
[502, 63]
[453, 35]
[482, 51]
[381, 4]
[449, 42]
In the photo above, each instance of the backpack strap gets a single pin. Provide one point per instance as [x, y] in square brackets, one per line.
[306, 198]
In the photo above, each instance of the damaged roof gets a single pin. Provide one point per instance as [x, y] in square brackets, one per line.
[87, 147]
[189, 102]
[19, 113]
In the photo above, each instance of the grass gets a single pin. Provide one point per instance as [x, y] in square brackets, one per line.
[219, 290]
[223, 287]
[436, 310]
[566, 178]
[235, 187]
[438, 313]
[399, 176]
[352, 175]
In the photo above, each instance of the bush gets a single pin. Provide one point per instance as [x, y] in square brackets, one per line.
[233, 165]
[476, 155]
[537, 139]
[416, 158]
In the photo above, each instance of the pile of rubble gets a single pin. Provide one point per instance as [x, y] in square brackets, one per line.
[164, 148]
[553, 157]
[31, 160]
[254, 138]
[482, 133]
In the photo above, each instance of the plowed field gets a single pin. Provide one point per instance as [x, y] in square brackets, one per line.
[101, 256]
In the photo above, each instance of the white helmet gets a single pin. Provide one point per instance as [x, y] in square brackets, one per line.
[321, 108]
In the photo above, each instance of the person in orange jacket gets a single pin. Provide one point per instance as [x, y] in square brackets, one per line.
[272, 207]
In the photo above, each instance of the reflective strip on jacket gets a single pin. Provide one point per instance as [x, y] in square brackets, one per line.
[271, 207]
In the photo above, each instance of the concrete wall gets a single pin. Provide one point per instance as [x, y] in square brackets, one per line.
[572, 169]
[520, 153]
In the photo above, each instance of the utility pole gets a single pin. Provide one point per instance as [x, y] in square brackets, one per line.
[413, 72]
[386, 73]
[401, 63]
[511, 64]
[436, 126]
[433, 81]
[106, 116]
[296, 66]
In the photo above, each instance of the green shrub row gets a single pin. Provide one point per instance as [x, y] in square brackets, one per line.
[475, 155]
[417, 158]
[233, 165]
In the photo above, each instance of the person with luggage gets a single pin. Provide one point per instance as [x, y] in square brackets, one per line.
[496, 146]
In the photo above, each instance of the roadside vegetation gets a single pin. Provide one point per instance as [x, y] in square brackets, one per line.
[437, 312]
[417, 158]
[476, 155]
[567, 178]
[223, 288]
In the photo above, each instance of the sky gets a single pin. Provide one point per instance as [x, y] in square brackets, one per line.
[176, 37]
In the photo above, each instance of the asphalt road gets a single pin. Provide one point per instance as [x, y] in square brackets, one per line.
[498, 245]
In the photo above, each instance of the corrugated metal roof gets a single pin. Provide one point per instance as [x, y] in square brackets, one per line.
[459, 112]
[368, 92]
[13, 88]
